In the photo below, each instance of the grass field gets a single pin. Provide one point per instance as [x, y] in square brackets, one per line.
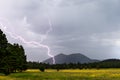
[103, 74]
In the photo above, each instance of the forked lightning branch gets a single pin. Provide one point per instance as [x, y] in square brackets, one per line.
[31, 43]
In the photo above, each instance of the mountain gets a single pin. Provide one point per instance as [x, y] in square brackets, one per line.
[72, 58]
[111, 60]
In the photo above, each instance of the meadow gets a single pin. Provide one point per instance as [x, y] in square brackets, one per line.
[89, 74]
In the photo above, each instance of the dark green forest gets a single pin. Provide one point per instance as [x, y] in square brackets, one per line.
[12, 56]
[105, 64]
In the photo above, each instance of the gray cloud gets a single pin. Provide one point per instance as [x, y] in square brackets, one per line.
[87, 26]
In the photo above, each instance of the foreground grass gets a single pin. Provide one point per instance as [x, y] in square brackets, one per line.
[103, 74]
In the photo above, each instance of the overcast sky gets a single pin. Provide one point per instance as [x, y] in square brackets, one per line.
[90, 27]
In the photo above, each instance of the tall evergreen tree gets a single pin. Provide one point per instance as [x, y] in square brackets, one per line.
[3, 45]
[16, 57]
[21, 57]
[3, 53]
[12, 57]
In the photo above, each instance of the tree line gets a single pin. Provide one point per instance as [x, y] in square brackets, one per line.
[12, 56]
[109, 63]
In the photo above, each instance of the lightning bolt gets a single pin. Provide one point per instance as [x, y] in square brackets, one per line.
[32, 43]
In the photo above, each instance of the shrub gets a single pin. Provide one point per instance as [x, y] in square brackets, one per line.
[42, 68]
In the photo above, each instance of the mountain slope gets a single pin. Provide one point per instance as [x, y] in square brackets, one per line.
[72, 58]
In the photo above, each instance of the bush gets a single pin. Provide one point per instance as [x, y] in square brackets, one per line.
[42, 69]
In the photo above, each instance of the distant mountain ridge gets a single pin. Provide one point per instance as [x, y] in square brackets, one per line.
[72, 58]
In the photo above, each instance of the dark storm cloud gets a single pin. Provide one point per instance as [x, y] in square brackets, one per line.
[75, 26]
[100, 18]
[87, 26]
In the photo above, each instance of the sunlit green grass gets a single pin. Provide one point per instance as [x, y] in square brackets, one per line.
[103, 74]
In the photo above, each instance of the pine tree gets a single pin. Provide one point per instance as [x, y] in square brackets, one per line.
[17, 57]
[4, 67]
[12, 57]
[3, 45]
